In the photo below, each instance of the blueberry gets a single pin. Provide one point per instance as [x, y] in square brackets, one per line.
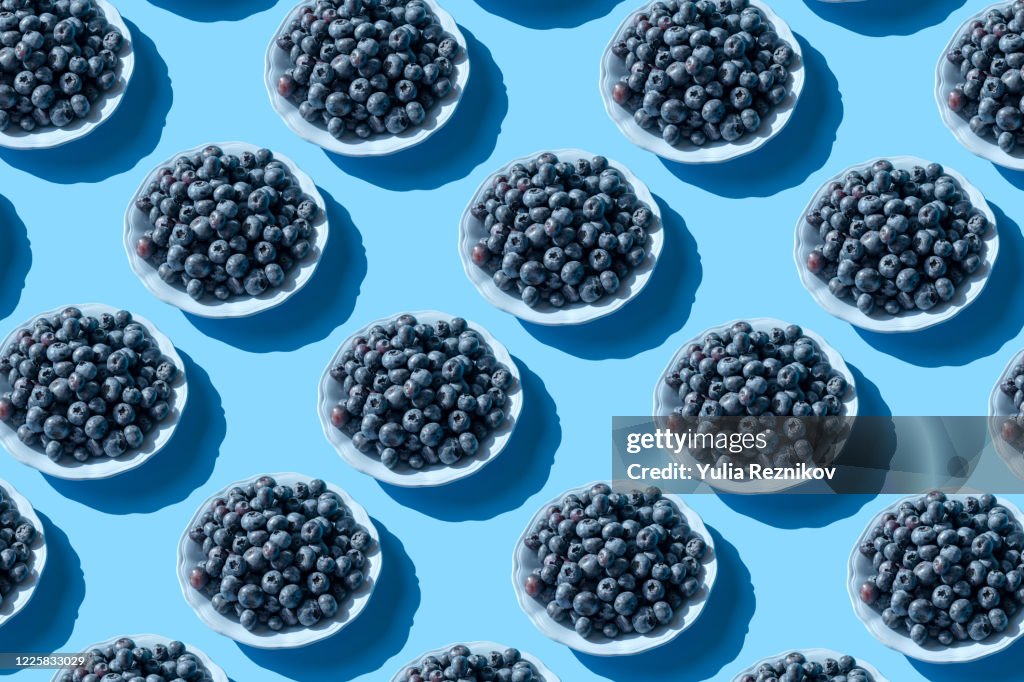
[990, 103]
[874, 256]
[550, 250]
[388, 72]
[18, 539]
[133, 662]
[609, 592]
[798, 666]
[945, 545]
[238, 217]
[285, 578]
[404, 420]
[77, 385]
[51, 81]
[697, 53]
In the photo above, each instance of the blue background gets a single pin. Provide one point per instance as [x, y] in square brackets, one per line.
[198, 79]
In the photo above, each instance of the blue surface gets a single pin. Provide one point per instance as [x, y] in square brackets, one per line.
[446, 578]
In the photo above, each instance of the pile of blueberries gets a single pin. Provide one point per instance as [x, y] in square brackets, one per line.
[796, 667]
[1012, 386]
[280, 556]
[702, 71]
[57, 58]
[17, 535]
[559, 233]
[946, 570]
[777, 382]
[460, 663]
[86, 386]
[896, 239]
[226, 225]
[613, 563]
[127, 661]
[367, 67]
[989, 56]
[417, 395]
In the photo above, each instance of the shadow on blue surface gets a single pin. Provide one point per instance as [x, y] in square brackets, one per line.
[214, 10]
[182, 466]
[1002, 667]
[312, 313]
[793, 155]
[995, 317]
[714, 640]
[454, 151]
[885, 17]
[47, 621]
[518, 472]
[545, 14]
[15, 257]
[659, 311]
[116, 146]
[366, 644]
[797, 510]
[1014, 177]
[869, 398]
[866, 455]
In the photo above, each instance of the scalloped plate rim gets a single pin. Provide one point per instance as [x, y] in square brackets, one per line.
[135, 223]
[807, 238]
[292, 639]
[619, 647]
[470, 231]
[425, 478]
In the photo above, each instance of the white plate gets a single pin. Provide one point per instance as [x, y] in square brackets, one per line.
[16, 138]
[524, 561]
[19, 598]
[136, 223]
[817, 655]
[97, 468]
[472, 231]
[1001, 405]
[665, 399]
[543, 674]
[330, 394]
[189, 554]
[277, 62]
[859, 570]
[613, 69]
[807, 238]
[149, 641]
[947, 76]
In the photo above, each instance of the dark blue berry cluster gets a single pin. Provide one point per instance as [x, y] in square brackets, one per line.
[946, 570]
[1012, 386]
[57, 58]
[17, 534]
[897, 239]
[419, 395]
[460, 663]
[280, 556]
[704, 71]
[615, 563]
[125, 661]
[367, 67]
[85, 386]
[746, 372]
[559, 233]
[796, 667]
[224, 224]
[990, 55]
[776, 385]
